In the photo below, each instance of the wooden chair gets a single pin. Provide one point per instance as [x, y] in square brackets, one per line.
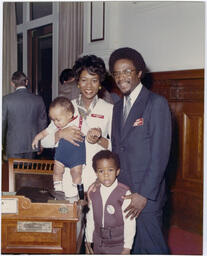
[30, 172]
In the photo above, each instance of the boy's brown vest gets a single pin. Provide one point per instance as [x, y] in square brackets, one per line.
[110, 238]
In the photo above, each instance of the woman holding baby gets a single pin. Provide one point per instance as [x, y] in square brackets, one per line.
[94, 115]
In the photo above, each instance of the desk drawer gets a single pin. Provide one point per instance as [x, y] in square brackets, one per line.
[61, 239]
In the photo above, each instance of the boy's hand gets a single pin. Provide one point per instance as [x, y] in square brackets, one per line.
[125, 251]
[40, 151]
[137, 204]
[82, 202]
[89, 249]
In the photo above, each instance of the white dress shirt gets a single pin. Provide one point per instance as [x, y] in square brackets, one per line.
[21, 87]
[134, 94]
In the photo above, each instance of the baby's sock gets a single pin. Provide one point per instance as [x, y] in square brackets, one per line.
[58, 185]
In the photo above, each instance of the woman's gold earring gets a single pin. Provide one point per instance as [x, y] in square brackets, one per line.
[78, 86]
[99, 87]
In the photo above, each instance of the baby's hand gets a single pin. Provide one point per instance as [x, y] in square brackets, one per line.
[96, 132]
[93, 135]
[35, 143]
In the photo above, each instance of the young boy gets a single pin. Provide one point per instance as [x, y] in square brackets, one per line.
[107, 228]
[61, 113]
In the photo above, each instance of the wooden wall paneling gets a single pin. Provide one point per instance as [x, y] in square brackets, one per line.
[184, 91]
[4, 176]
[192, 143]
[188, 188]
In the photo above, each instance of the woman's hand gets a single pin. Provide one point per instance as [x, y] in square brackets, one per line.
[71, 134]
[137, 204]
[93, 135]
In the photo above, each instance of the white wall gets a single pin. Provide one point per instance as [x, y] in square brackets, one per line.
[169, 35]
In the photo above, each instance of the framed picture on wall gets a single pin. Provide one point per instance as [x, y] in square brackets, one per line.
[97, 21]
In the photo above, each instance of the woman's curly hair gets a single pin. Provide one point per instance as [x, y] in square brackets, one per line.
[93, 65]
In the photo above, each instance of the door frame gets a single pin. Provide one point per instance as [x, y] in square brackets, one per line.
[32, 61]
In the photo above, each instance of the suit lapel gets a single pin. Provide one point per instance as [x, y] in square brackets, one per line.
[136, 111]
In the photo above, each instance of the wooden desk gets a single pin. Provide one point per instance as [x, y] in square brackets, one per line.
[40, 227]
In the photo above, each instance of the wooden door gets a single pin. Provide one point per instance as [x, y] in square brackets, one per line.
[40, 62]
[185, 93]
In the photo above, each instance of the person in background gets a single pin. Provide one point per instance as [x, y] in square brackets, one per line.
[113, 94]
[106, 225]
[61, 113]
[23, 116]
[141, 136]
[94, 117]
[68, 86]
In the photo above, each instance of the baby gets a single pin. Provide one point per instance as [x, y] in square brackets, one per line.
[61, 112]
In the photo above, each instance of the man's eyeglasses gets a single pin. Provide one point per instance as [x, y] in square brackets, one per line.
[126, 72]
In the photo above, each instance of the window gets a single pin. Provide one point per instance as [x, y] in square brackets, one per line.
[20, 52]
[19, 13]
[39, 10]
[35, 48]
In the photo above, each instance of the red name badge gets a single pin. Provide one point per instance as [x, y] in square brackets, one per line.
[139, 122]
[98, 116]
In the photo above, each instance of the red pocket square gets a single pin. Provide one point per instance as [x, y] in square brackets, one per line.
[139, 122]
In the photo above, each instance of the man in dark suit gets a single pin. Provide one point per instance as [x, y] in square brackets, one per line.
[23, 116]
[141, 135]
[69, 87]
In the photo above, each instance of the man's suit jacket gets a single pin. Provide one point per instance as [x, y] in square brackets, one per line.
[23, 116]
[143, 145]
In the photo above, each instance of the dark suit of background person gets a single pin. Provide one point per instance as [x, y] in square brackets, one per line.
[143, 145]
[23, 116]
